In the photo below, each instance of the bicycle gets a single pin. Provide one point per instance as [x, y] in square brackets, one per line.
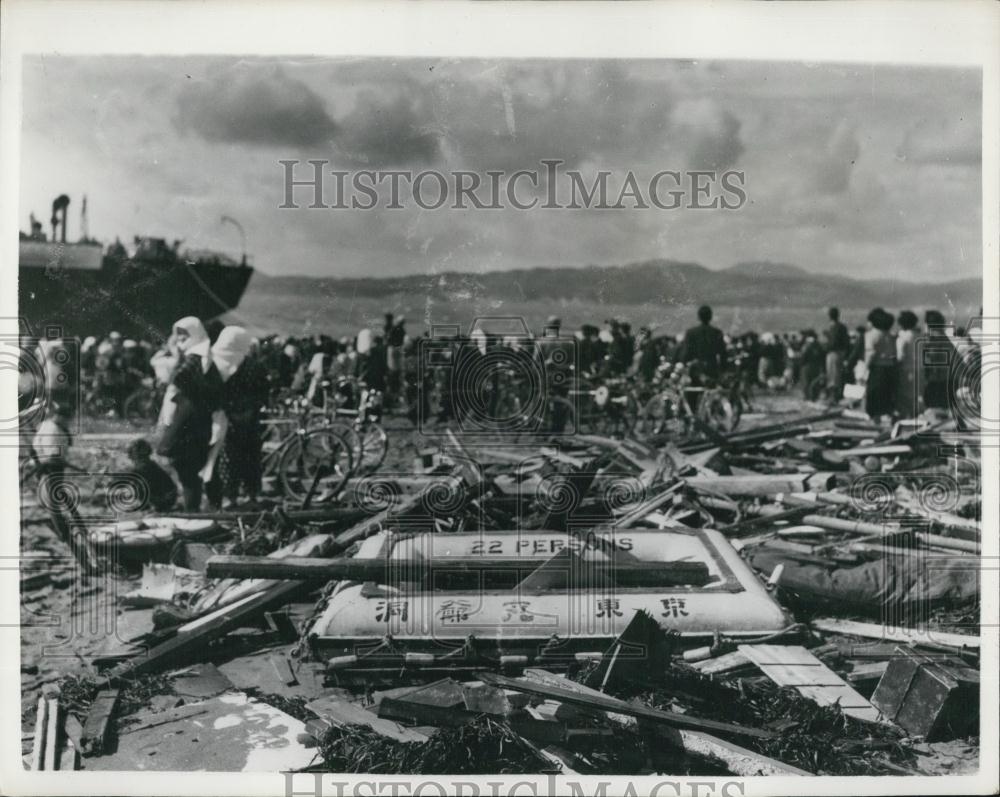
[360, 425]
[308, 460]
[603, 407]
[683, 409]
[143, 404]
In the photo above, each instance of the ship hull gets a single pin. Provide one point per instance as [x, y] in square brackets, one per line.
[138, 301]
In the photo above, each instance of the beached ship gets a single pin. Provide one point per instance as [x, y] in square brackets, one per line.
[85, 288]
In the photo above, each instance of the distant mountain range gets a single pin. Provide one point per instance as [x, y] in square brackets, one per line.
[665, 282]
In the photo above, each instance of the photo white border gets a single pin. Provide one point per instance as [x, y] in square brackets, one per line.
[952, 32]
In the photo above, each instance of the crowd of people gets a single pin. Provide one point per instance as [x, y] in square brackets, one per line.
[216, 380]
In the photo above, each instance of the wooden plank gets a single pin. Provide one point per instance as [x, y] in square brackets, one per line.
[41, 734]
[97, 726]
[793, 665]
[738, 760]
[866, 672]
[723, 663]
[949, 543]
[376, 523]
[626, 572]
[603, 703]
[851, 526]
[52, 736]
[229, 591]
[250, 516]
[889, 633]
[152, 719]
[198, 633]
[758, 485]
[411, 713]
[340, 713]
[636, 514]
[283, 670]
[875, 451]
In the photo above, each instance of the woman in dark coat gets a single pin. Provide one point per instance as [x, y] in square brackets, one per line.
[244, 393]
[191, 398]
[937, 357]
[882, 365]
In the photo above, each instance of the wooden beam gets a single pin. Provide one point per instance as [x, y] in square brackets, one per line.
[198, 633]
[888, 633]
[52, 736]
[851, 526]
[631, 573]
[636, 514]
[950, 543]
[738, 760]
[283, 670]
[41, 734]
[759, 485]
[97, 726]
[373, 524]
[329, 514]
[602, 703]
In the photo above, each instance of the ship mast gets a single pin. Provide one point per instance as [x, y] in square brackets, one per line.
[84, 227]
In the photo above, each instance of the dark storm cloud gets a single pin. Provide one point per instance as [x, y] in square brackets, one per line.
[107, 127]
[382, 132]
[249, 105]
[511, 115]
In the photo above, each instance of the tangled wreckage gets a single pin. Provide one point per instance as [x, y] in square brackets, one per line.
[799, 598]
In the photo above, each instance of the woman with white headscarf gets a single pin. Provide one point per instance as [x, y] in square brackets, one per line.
[191, 398]
[244, 393]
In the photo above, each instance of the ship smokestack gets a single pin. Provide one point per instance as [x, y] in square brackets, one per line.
[59, 204]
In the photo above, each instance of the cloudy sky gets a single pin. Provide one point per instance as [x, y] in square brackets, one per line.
[868, 171]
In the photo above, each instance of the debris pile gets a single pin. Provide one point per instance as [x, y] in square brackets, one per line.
[788, 599]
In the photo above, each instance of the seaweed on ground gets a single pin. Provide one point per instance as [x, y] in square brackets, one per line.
[77, 693]
[483, 746]
[821, 739]
[292, 706]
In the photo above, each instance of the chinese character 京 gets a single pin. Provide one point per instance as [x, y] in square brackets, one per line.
[674, 607]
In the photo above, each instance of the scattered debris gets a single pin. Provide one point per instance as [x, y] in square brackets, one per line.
[756, 602]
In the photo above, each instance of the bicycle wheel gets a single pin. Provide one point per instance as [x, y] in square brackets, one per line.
[663, 415]
[627, 407]
[717, 412]
[737, 404]
[351, 436]
[316, 463]
[96, 404]
[374, 447]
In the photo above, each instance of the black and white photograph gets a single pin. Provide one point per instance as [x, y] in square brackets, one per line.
[452, 413]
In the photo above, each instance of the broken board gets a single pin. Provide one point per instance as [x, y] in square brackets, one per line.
[793, 665]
